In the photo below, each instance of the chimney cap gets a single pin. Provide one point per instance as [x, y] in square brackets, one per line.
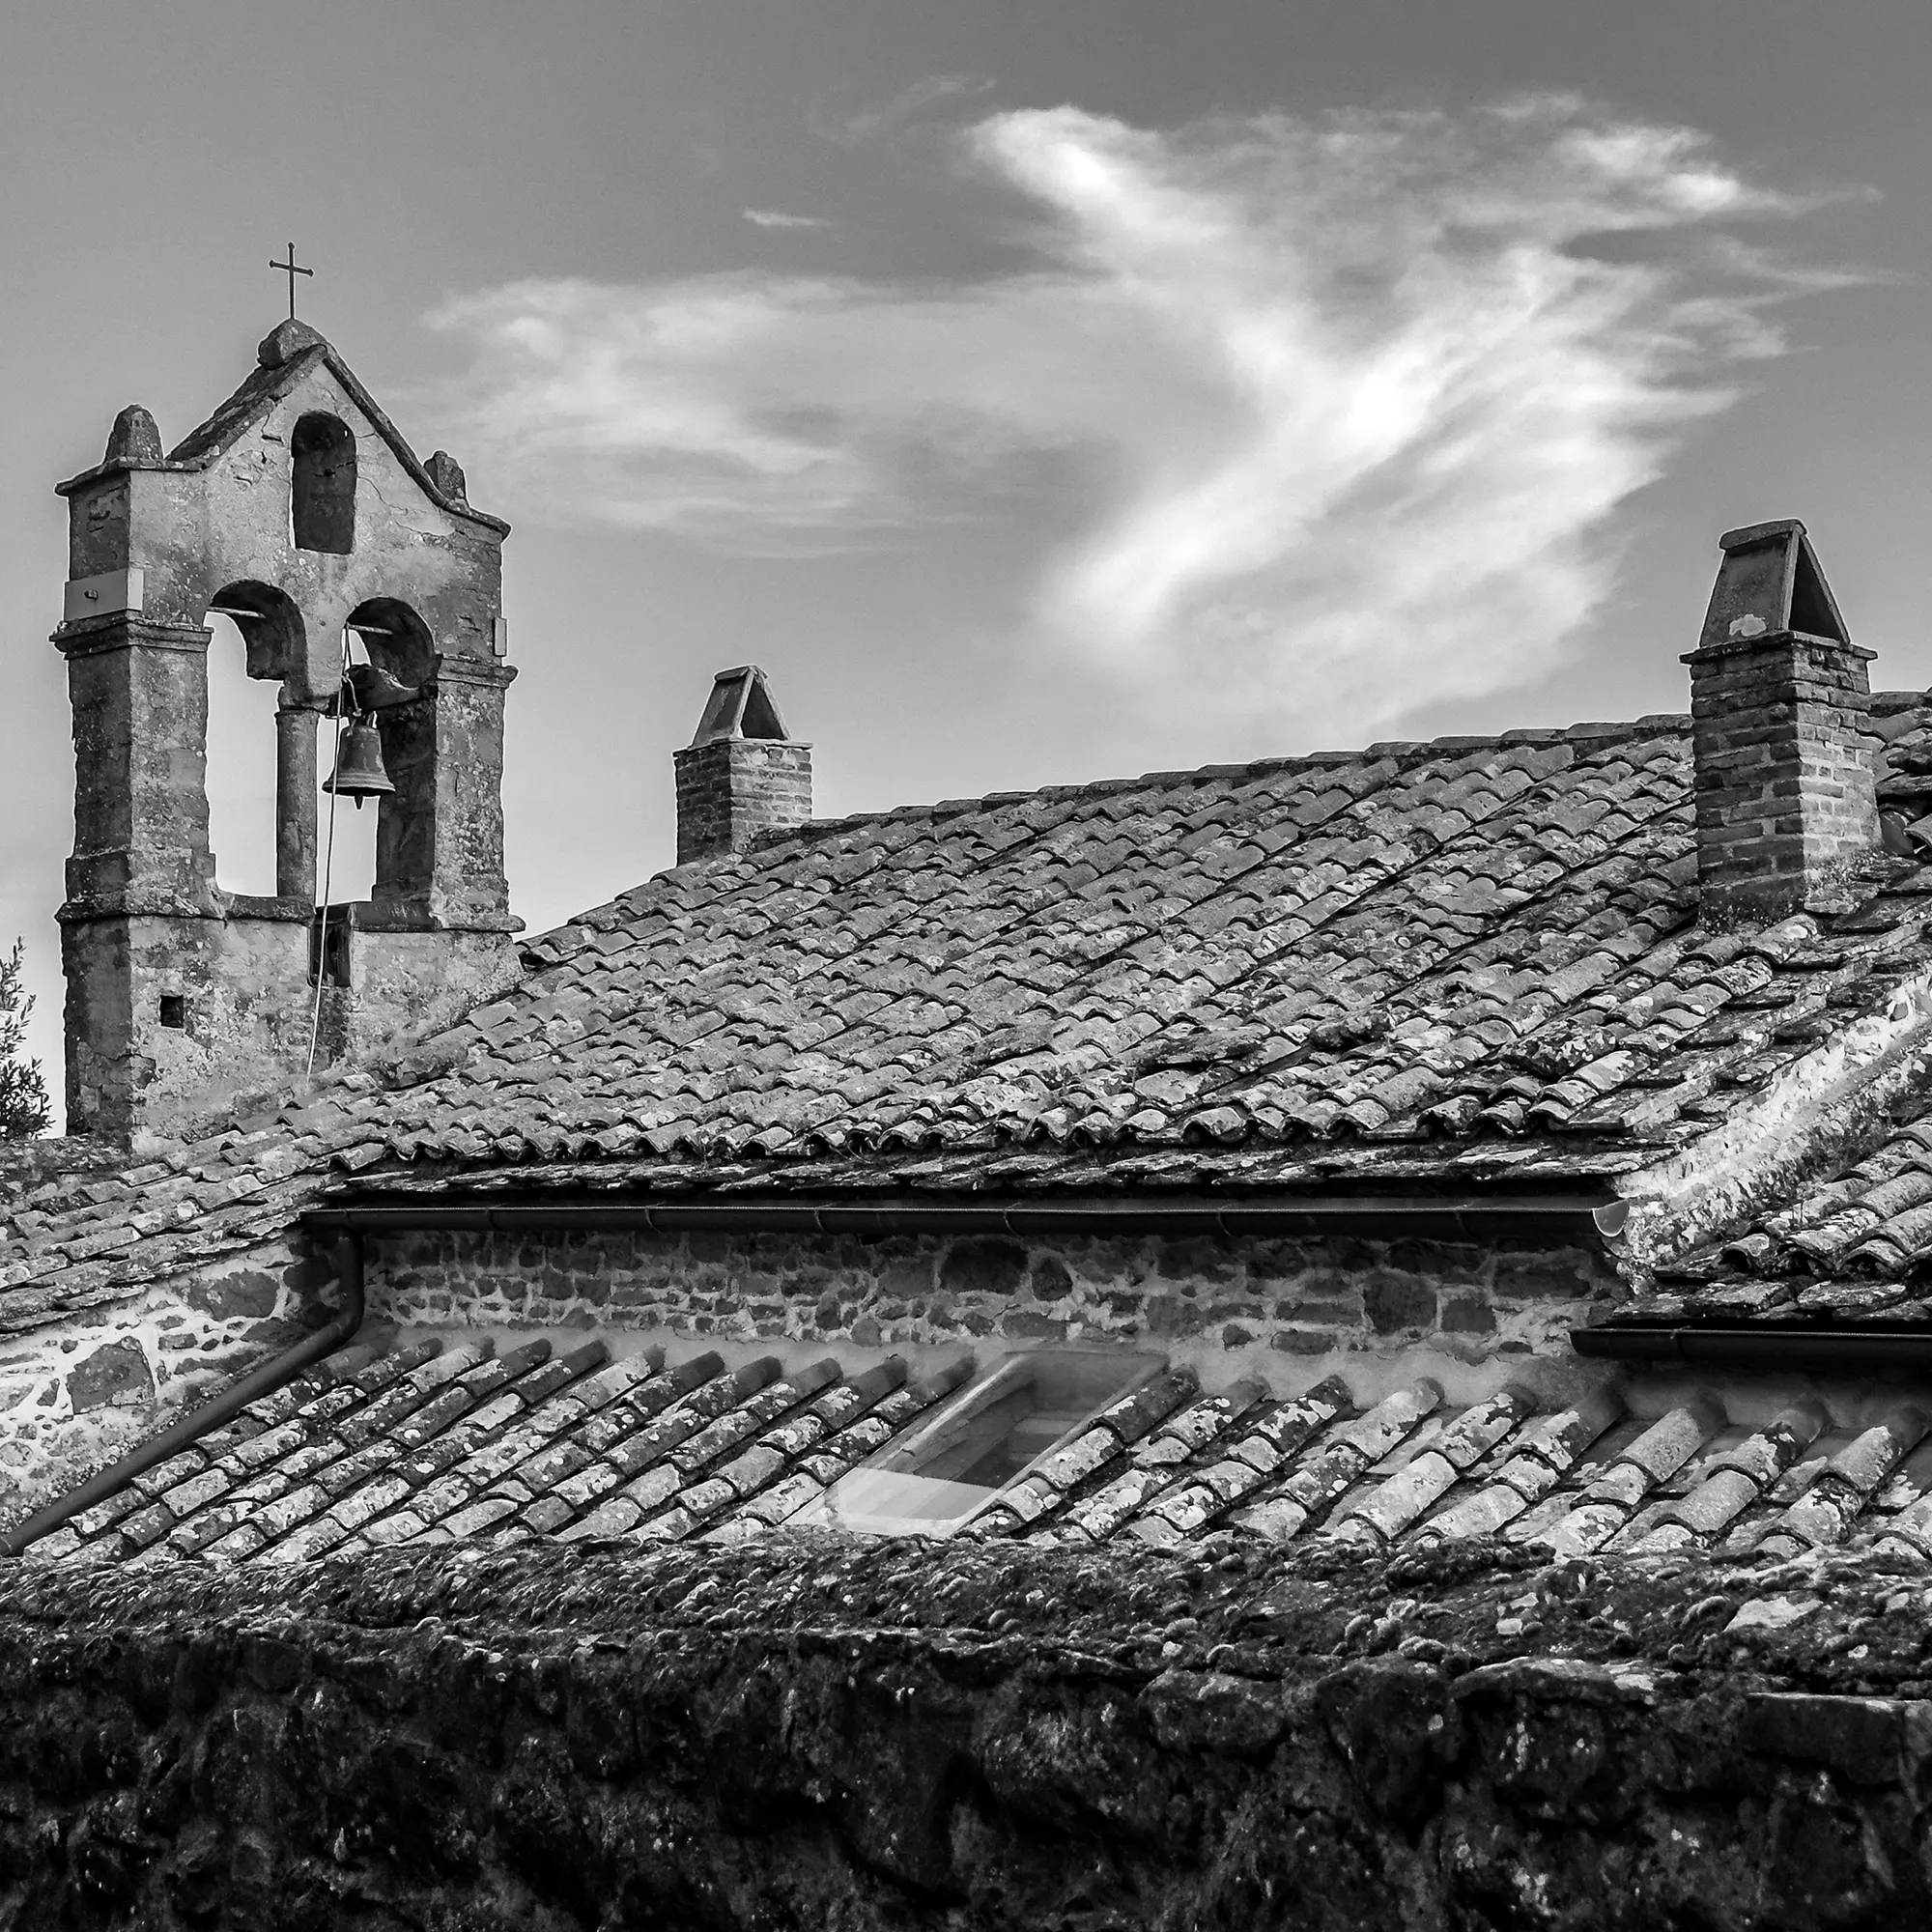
[741, 705]
[1770, 585]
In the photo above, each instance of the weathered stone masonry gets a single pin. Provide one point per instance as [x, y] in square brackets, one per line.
[79, 1383]
[183, 996]
[817, 1734]
[1287, 1307]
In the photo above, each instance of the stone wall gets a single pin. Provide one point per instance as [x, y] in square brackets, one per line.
[82, 1379]
[1293, 1310]
[81, 1386]
[818, 1733]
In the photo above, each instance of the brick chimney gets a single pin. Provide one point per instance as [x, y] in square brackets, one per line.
[1778, 697]
[741, 775]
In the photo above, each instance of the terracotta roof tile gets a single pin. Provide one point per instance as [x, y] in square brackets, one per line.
[504, 1449]
[1474, 956]
[1852, 1241]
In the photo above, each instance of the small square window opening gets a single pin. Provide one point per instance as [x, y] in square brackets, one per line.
[173, 1010]
[329, 946]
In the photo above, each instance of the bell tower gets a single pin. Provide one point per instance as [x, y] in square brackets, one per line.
[297, 511]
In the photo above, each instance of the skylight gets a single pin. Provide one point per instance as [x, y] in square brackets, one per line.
[983, 1441]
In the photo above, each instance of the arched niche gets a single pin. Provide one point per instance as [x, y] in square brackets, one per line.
[393, 636]
[321, 501]
[257, 640]
[272, 633]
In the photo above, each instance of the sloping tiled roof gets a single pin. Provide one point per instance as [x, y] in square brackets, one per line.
[1851, 1245]
[1477, 959]
[430, 1443]
[1855, 1246]
[1288, 951]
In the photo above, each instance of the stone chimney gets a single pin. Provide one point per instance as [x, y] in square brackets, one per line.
[741, 775]
[1778, 697]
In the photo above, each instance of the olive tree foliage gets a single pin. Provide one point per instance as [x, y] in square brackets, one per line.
[23, 1093]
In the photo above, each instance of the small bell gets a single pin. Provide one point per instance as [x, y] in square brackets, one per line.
[358, 765]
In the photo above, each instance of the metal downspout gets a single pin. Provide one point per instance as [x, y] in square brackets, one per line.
[198, 1422]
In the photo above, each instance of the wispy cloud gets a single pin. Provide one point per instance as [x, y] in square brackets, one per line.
[1342, 408]
[772, 217]
[935, 90]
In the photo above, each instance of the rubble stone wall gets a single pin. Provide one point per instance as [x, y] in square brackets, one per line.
[1288, 1309]
[818, 1733]
[81, 1386]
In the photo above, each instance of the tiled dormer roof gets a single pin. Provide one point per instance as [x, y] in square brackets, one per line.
[1853, 1245]
[1476, 958]
[429, 1444]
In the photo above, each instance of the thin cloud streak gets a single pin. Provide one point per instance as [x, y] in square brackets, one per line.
[772, 217]
[1343, 408]
[934, 91]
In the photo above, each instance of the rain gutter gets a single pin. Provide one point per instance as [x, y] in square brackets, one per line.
[1465, 1217]
[1789, 1347]
[198, 1422]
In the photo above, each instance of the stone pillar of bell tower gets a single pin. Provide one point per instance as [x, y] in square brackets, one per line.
[444, 859]
[139, 693]
[141, 879]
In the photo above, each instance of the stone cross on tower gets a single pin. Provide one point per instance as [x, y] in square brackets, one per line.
[290, 269]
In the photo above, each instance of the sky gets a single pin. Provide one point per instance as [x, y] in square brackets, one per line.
[1040, 392]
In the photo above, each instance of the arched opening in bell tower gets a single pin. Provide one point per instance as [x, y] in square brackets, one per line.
[256, 643]
[346, 847]
[322, 499]
[397, 642]
[241, 766]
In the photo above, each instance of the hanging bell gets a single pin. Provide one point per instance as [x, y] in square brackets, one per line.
[358, 765]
